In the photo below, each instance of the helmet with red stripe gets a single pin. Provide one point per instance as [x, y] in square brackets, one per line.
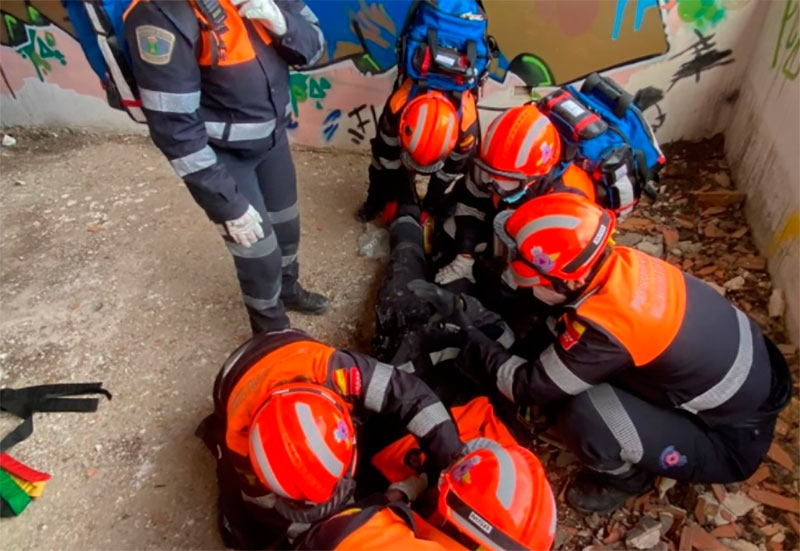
[499, 497]
[429, 127]
[303, 442]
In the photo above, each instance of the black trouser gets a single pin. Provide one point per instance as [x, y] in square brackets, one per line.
[267, 270]
[616, 432]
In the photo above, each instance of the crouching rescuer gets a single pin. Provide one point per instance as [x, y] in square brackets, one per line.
[213, 77]
[651, 371]
[284, 432]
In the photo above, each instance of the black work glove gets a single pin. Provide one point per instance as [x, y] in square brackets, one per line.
[449, 306]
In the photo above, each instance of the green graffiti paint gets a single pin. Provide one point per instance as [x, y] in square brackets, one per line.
[40, 47]
[787, 47]
[303, 87]
[701, 13]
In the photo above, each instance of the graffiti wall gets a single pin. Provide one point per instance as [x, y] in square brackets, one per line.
[682, 54]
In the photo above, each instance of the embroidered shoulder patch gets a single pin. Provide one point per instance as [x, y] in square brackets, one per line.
[348, 381]
[573, 330]
[155, 44]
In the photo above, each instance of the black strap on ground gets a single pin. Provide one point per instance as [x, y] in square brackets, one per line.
[24, 402]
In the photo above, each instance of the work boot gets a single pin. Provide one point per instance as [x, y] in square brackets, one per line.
[369, 210]
[306, 302]
[595, 492]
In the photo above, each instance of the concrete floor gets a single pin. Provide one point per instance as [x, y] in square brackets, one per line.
[109, 272]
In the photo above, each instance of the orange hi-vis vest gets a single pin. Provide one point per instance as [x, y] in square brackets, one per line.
[475, 419]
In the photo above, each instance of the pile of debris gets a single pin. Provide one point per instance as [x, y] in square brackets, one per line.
[698, 224]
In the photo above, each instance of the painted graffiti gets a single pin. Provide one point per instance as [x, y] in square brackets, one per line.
[641, 8]
[787, 47]
[362, 117]
[19, 16]
[701, 13]
[705, 57]
[41, 47]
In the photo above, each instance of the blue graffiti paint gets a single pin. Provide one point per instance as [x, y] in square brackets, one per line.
[373, 26]
[329, 125]
[641, 8]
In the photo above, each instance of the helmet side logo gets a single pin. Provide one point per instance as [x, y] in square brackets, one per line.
[340, 434]
[543, 261]
[547, 153]
[461, 471]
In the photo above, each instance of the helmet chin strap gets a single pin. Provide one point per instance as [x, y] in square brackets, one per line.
[296, 511]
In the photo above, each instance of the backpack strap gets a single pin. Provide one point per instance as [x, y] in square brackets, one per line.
[24, 402]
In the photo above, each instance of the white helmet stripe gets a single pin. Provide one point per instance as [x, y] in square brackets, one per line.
[446, 142]
[423, 112]
[508, 476]
[316, 442]
[490, 134]
[263, 462]
[533, 133]
[546, 223]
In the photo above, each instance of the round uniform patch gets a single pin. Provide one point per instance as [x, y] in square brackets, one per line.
[671, 457]
[155, 44]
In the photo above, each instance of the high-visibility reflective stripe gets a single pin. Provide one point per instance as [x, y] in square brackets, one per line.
[194, 162]
[546, 223]
[389, 140]
[527, 144]
[619, 470]
[507, 338]
[262, 303]
[287, 260]
[232, 359]
[321, 49]
[427, 419]
[166, 102]
[378, 385]
[407, 367]
[215, 130]
[288, 110]
[423, 112]
[560, 374]
[489, 135]
[444, 354]
[446, 142]
[263, 463]
[465, 210]
[259, 249]
[405, 220]
[734, 378]
[241, 131]
[613, 413]
[505, 376]
[308, 15]
[508, 476]
[284, 215]
[316, 442]
[389, 164]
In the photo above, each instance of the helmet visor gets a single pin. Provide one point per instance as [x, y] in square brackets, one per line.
[502, 184]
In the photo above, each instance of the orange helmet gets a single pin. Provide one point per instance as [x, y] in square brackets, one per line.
[303, 443]
[428, 131]
[554, 237]
[519, 149]
[499, 497]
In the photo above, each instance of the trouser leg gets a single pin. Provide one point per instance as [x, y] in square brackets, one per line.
[619, 434]
[258, 267]
[277, 182]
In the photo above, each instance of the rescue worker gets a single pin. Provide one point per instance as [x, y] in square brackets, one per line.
[519, 158]
[420, 132]
[494, 497]
[652, 371]
[284, 431]
[214, 86]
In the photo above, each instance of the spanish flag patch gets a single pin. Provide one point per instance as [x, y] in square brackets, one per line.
[348, 381]
[573, 330]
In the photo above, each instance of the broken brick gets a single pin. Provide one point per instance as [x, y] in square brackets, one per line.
[761, 474]
[702, 540]
[727, 531]
[712, 211]
[720, 198]
[635, 223]
[719, 492]
[755, 263]
[687, 264]
[738, 234]
[770, 529]
[708, 270]
[793, 522]
[777, 454]
[684, 222]
[777, 501]
[670, 237]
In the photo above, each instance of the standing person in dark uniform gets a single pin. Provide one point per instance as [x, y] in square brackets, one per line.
[214, 85]
[651, 372]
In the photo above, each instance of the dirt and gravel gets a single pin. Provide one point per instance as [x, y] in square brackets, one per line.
[109, 272]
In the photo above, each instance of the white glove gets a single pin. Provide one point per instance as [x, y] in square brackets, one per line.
[413, 486]
[459, 268]
[265, 11]
[246, 229]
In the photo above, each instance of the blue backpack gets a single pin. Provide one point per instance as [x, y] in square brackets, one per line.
[606, 134]
[445, 46]
[101, 34]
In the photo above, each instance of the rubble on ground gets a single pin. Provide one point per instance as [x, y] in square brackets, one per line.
[698, 224]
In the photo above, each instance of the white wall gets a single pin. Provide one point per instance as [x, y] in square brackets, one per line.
[763, 147]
